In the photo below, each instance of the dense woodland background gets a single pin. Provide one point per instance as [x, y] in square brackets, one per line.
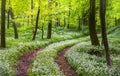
[92, 26]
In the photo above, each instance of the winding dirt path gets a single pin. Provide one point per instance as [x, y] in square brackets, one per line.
[63, 64]
[24, 62]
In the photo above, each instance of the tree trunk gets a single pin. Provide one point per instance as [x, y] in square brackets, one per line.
[49, 32]
[68, 25]
[3, 40]
[32, 10]
[42, 32]
[104, 34]
[115, 21]
[57, 19]
[64, 22]
[57, 22]
[79, 28]
[49, 29]
[82, 22]
[14, 24]
[23, 22]
[28, 23]
[15, 30]
[8, 20]
[37, 20]
[92, 24]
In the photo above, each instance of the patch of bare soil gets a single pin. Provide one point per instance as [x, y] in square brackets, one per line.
[24, 62]
[63, 64]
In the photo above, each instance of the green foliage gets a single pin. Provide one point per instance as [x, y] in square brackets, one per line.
[89, 65]
[25, 35]
[114, 41]
[9, 56]
[43, 63]
[114, 45]
[114, 32]
[15, 48]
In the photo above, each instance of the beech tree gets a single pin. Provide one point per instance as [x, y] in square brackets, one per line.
[32, 6]
[103, 27]
[69, 12]
[8, 15]
[14, 23]
[37, 20]
[92, 24]
[49, 33]
[3, 40]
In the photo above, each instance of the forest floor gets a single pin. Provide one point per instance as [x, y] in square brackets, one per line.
[25, 61]
[63, 64]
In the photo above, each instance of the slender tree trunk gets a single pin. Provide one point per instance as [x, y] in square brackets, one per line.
[79, 28]
[14, 24]
[68, 25]
[23, 22]
[15, 30]
[57, 19]
[37, 20]
[42, 36]
[49, 33]
[8, 20]
[28, 21]
[104, 34]
[92, 24]
[64, 22]
[57, 22]
[42, 32]
[82, 19]
[115, 21]
[32, 2]
[3, 40]
[49, 29]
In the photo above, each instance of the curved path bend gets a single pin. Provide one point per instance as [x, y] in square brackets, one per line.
[63, 64]
[25, 61]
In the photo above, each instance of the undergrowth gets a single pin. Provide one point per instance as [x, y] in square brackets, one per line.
[90, 65]
[16, 47]
[43, 63]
